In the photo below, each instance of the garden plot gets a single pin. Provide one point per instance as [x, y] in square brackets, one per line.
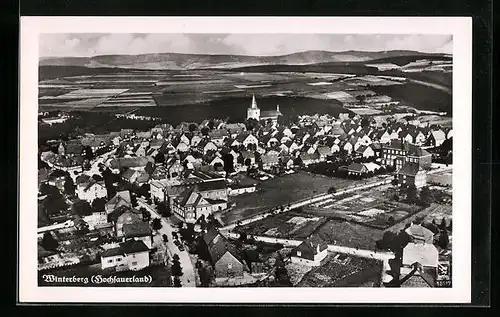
[371, 212]
[296, 225]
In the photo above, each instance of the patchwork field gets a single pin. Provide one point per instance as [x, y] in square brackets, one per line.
[290, 225]
[281, 191]
[220, 93]
[349, 234]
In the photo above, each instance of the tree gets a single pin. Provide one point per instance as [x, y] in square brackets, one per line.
[228, 163]
[87, 153]
[411, 194]
[99, 204]
[205, 131]
[192, 127]
[146, 215]
[426, 195]
[69, 186]
[164, 209]
[332, 190]
[133, 200]
[48, 242]
[156, 224]
[176, 266]
[149, 168]
[81, 208]
[442, 225]
[444, 239]
[177, 282]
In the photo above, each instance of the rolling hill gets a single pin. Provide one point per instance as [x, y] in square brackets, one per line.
[176, 61]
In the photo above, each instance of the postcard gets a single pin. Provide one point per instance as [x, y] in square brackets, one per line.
[245, 160]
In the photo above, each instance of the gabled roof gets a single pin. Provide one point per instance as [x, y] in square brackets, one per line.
[220, 247]
[136, 229]
[127, 247]
[420, 233]
[409, 169]
[312, 243]
[356, 167]
[210, 235]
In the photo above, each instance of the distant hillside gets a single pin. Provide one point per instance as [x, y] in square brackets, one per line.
[175, 61]
[405, 59]
[59, 71]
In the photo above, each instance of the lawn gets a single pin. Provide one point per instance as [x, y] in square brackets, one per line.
[345, 233]
[280, 191]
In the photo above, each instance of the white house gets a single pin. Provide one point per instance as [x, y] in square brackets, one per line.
[310, 252]
[131, 255]
[90, 191]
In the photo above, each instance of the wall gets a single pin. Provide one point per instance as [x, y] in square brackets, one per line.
[141, 258]
[112, 261]
[222, 270]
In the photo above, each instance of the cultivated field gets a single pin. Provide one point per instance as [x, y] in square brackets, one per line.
[281, 191]
[289, 225]
[345, 233]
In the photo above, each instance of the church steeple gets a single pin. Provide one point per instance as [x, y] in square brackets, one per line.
[278, 107]
[254, 103]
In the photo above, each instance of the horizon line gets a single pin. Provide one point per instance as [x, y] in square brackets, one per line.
[244, 55]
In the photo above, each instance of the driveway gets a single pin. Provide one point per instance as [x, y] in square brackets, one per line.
[188, 279]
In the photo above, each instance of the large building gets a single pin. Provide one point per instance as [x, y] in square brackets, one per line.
[255, 113]
[398, 152]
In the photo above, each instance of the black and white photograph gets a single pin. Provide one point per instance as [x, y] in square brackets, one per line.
[225, 157]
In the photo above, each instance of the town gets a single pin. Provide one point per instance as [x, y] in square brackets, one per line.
[321, 200]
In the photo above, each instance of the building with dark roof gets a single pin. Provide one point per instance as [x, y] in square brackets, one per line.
[310, 252]
[225, 257]
[412, 174]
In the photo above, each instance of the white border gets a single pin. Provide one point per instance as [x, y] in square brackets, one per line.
[459, 27]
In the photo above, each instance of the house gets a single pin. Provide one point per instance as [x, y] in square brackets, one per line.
[310, 252]
[157, 190]
[96, 220]
[138, 231]
[89, 189]
[206, 145]
[238, 189]
[130, 162]
[156, 143]
[121, 198]
[71, 148]
[130, 176]
[159, 173]
[412, 174]
[126, 217]
[365, 151]
[397, 152]
[356, 169]
[436, 138]
[226, 259]
[254, 261]
[270, 159]
[217, 136]
[248, 158]
[131, 255]
[195, 140]
[174, 168]
[57, 178]
[246, 139]
[324, 152]
[199, 199]
[421, 250]
[308, 159]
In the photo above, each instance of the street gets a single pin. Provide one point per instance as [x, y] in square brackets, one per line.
[188, 279]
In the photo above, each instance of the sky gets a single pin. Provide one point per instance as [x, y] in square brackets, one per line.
[84, 44]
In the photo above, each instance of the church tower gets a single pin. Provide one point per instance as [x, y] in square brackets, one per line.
[253, 111]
